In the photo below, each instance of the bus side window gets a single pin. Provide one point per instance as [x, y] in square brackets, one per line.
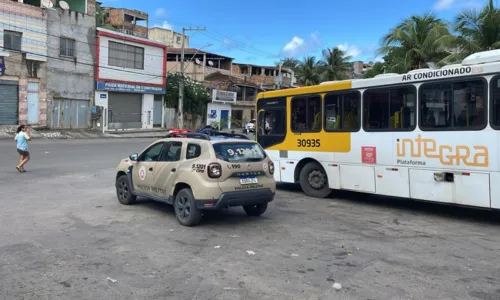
[390, 109]
[455, 105]
[341, 112]
[495, 103]
[306, 114]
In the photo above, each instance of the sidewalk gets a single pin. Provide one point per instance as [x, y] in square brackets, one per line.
[9, 132]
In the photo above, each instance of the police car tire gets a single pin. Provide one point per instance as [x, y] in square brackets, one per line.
[304, 181]
[195, 213]
[255, 210]
[130, 198]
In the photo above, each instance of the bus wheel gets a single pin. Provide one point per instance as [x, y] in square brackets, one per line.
[314, 181]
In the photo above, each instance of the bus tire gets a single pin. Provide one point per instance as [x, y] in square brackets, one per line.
[314, 181]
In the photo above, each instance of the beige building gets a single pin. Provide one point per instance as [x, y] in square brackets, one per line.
[169, 37]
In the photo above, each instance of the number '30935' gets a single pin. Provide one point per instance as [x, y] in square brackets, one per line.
[308, 143]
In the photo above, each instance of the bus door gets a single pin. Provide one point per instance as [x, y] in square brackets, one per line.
[271, 128]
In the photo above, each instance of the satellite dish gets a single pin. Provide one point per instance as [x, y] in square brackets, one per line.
[64, 5]
[197, 60]
[47, 3]
[210, 63]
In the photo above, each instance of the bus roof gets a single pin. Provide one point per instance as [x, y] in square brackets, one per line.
[480, 63]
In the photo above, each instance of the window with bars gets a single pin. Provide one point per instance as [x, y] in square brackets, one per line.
[12, 40]
[125, 56]
[67, 47]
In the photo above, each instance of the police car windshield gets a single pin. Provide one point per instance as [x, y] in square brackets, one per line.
[239, 152]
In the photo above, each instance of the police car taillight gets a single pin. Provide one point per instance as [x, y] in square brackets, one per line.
[214, 170]
[271, 167]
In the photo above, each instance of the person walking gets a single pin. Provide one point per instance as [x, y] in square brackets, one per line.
[22, 138]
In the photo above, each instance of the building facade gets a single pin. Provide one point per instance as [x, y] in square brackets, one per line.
[70, 65]
[169, 37]
[130, 81]
[23, 64]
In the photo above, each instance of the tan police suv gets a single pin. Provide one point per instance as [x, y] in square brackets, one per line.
[195, 172]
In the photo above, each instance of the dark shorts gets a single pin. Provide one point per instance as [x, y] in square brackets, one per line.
[23, 152]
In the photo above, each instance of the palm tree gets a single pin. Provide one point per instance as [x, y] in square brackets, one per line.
[335, 64]
[416, 41]
[290, 63]
[478, 31]
[377, 68]
[308, 71]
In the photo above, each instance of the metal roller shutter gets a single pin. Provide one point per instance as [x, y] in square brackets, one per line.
[8, 102]
[124, 110]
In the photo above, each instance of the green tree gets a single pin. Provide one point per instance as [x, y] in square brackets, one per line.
[195, 94]
[335, 65]
[377, 68]
[417, 41]
[290, 63]
[100, 18]
[308, 71]
[478, 30]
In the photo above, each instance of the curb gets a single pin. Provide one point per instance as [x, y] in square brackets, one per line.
[85, 138]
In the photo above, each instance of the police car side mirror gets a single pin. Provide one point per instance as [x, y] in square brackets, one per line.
[133, 157]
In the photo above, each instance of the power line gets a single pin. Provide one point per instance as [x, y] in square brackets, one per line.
[95, 65]
[243, 49]
[233, 41]
[213, 35]
[57, 36]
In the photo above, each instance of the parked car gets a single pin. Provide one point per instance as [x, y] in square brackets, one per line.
[250, 126]
[196, 172]
[209, 129]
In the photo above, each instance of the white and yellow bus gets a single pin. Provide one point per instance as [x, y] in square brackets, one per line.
[430, 134]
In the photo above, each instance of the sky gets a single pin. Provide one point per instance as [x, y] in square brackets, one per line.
[264, 31]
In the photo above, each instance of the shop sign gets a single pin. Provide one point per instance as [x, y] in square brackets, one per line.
[223, 96]
[130, 88]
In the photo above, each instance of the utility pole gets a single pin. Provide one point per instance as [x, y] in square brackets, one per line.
[180, 111]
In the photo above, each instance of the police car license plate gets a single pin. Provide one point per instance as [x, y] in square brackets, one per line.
[248, 180]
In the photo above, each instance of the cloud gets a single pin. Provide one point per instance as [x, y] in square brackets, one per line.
[293, 45]
[160, 12]
[443, 4]
[350, 50]
[299, 46]
[165, 25]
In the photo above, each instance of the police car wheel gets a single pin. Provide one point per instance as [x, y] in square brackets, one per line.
[186, 212]
[123, 191]
[255, 210]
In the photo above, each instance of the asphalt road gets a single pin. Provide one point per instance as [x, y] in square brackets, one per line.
[63, 233]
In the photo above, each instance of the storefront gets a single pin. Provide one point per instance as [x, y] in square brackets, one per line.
[130, 82]
[128, 106]
[219, 110]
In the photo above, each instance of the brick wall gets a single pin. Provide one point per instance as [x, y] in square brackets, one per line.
[254, 79]
[115, 17]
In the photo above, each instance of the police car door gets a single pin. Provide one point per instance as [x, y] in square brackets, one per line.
[144, 168]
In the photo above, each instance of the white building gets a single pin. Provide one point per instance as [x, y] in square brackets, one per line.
[219, 110]
[130, 80]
